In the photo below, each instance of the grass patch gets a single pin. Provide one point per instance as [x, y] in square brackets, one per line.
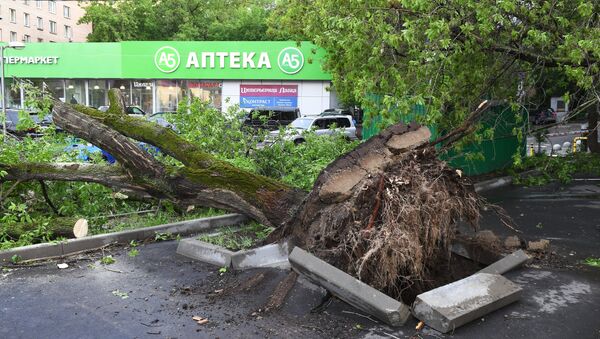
[235, 239]
[592, 262]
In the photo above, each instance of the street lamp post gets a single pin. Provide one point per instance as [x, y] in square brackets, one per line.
[15, 45]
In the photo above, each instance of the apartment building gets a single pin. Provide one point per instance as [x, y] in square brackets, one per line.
[42, 21]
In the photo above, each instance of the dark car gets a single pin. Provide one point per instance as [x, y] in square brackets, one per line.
[271, 118]
[547, 116]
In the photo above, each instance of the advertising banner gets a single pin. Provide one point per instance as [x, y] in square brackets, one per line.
[252, 96]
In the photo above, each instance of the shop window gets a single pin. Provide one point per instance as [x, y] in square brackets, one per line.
[75, 91]
[56, 88]
[166, 92]
[209, 91]
[124, 86]
[98, 93]
[141, 94]
[13, 96]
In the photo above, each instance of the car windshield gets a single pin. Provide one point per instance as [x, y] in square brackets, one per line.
[302, 123]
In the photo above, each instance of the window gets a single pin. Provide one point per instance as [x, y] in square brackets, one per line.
[26, 2]
[13, 36]
[67, 11]
[40, 40]
[52, 27]
[27, 38]
[0, 34]
[52, 6]
[68, 32]
[13, 16]
[38, 3]
[40, 23]
[26, 19]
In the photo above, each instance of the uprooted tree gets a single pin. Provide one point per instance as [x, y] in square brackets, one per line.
[384, 212]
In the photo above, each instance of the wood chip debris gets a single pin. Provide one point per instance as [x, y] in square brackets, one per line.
[200, 320]
[420, 326]
[62, 265]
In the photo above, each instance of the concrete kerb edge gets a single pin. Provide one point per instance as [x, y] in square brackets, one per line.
[74, 246]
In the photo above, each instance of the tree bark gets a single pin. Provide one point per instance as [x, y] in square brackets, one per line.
[60, 227]
[592, 137]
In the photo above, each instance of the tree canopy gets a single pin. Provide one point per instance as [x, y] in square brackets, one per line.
[449, 54]
[177, 20]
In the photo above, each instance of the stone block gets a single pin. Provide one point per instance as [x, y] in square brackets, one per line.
[203, 251]
[451, 306]
[507, 263]
[37, 251]
[272, 255]
[349, 289]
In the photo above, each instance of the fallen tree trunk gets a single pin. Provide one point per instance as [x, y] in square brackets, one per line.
[384, 212]
[59, 227]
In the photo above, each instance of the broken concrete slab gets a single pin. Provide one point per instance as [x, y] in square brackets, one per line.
[349, 289]
[203, 251]
[451, 306]
[507, 263]
[272, 255]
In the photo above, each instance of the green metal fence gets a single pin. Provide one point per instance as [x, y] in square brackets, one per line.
[489, 155]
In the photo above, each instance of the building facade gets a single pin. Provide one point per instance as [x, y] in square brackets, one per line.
[42, 21]
[156, 75]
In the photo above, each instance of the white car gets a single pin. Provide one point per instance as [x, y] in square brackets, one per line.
[321, 125]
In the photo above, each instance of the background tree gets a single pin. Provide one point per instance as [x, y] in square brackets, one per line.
[449, 54]
[178, 20]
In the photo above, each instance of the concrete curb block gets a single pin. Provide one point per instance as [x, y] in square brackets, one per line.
[72, 246]
[349, 289]
[507, 263]
[492, 183]
[451, 306]
[272, 255]
[205, 252]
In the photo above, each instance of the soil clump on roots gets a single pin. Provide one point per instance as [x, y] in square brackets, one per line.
[394, 232]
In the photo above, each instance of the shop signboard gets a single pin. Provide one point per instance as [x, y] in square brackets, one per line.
[252, 96]
[218, 60]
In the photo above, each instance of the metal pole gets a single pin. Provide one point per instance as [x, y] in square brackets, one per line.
[4, 117]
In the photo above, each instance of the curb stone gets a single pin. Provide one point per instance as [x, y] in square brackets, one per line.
[73, 246]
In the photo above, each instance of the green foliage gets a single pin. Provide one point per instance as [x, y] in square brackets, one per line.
[389, 56]
[560, 169]
[15, 259]
[108, 260]
[231, 20]
[592, 262]
[122, 295]
[300, 165]
[133, 252]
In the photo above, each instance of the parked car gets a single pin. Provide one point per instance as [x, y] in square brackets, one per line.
[130, 110]
[13, 120]
[544, 117]
[161, 119]
[271, 118]
[321, 125]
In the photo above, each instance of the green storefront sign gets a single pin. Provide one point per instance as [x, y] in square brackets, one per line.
[224, 60]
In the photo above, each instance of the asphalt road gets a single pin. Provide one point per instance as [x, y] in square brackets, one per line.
[156, 293]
